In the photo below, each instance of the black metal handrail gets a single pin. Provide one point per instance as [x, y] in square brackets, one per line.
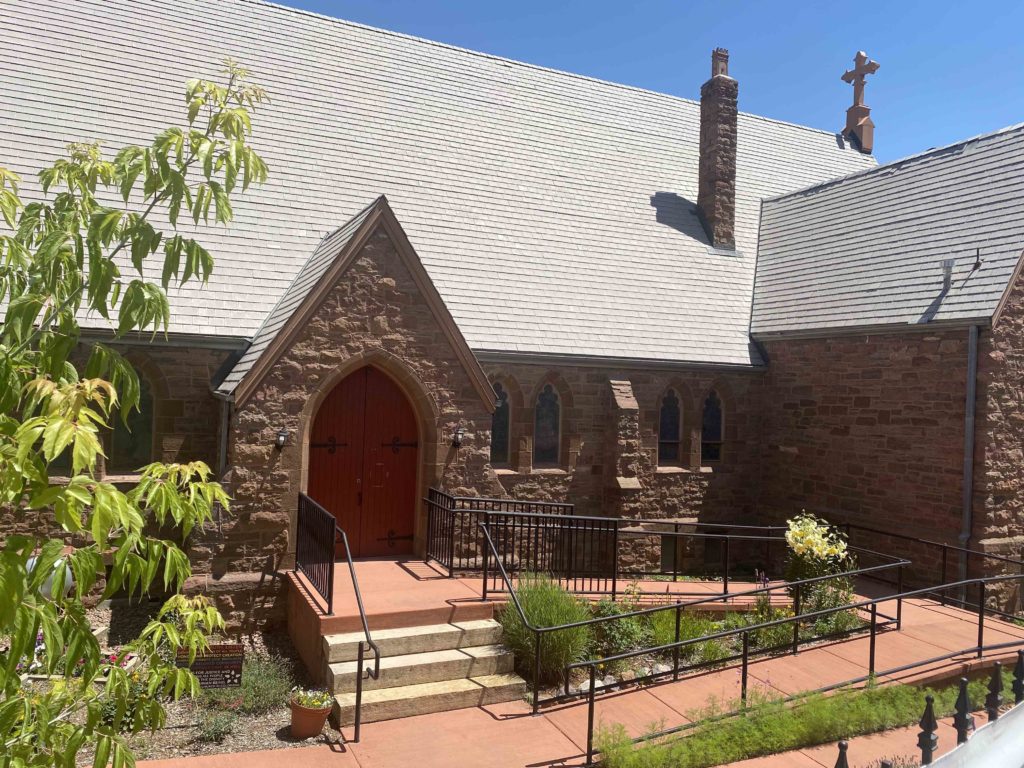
[368, 643]
[315, 553]
[678, 606]
[314, 548]
[586, 554]
[872, 605]
[452, 525]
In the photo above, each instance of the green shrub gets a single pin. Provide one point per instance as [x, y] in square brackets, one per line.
[546, 604]
[619, 635]
[831, 594]
[214, 727]
[691, 625]
[266, 684]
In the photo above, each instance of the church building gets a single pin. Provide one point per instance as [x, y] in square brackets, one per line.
[496, 279]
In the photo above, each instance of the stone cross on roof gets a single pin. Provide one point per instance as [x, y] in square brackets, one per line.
[863, 66]
[859, 126]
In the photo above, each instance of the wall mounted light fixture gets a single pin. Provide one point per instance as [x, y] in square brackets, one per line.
[457, 437]
[280, 439]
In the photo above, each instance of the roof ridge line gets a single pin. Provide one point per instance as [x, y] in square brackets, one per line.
[519, 62]
[897, 163]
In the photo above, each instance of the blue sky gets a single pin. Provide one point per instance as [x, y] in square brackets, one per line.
[949, 70]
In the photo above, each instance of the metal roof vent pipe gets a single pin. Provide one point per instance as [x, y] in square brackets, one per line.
[947, 274]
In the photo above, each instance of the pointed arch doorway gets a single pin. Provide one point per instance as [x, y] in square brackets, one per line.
[363, 460]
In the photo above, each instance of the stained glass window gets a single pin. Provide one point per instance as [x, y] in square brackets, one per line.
[669, 431]
[500, 427]
[711, 429]
[546, 428]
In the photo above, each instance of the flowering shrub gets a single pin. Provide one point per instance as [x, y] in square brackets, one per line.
[819, 549]
[815, 549]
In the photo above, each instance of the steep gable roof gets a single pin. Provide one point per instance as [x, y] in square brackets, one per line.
[554, 213]
[867, 250]
[321, 272]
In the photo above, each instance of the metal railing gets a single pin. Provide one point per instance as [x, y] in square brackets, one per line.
[871, 606]
[453, 533]
[316, 538]
[938, 560]
[968, 751]
[594, 555]
[497, 563]
[314, 548]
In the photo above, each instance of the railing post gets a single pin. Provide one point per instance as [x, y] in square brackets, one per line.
[899, 600]
[841, 761]
[487, 554]
[675, 555]
[725, 574]
[536, 672]
[675, 650]
[963, 721]
[796, 621]
[615, 560]
[590, 715]
[981, 617]
[1018, 679]
[994, 699]
[871, 644]
[359, 693]
[926, 739]
[743, 677]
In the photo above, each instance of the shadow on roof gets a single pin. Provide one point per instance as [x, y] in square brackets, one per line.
[677, 212]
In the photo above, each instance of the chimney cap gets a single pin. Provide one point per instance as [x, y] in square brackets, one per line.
[720, 62]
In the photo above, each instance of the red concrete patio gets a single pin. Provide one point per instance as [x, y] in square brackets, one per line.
[507, 736]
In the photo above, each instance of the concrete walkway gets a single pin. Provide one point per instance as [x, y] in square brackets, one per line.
[507, 736]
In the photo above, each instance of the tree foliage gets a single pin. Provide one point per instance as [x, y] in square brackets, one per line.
[93, 244]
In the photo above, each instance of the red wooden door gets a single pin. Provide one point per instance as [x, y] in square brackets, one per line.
[363, 460]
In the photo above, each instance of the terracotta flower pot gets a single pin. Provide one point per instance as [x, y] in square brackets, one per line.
[308, 722]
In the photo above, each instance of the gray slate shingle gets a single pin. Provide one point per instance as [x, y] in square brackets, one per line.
[553, 212]
[867, 249]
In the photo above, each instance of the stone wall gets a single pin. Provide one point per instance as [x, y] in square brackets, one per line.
[868, 429]
[999, 451]
[184, 418]
[606, 438]
[375, 315]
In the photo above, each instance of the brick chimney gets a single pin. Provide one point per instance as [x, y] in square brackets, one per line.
[716, 189]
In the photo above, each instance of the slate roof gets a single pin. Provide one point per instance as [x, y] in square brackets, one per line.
[866, 250]
[553, 212]
[305, 279]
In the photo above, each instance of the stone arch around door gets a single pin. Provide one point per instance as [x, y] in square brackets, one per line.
[428, 460]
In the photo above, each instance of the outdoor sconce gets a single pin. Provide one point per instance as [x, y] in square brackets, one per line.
[457, 437]
[280, 439]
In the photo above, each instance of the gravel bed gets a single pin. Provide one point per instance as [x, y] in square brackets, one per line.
[179, 738]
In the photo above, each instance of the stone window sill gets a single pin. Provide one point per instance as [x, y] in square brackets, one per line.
[548, 471]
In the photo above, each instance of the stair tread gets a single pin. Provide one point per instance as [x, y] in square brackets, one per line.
[401, 632]
[425, 657]
[420, 690]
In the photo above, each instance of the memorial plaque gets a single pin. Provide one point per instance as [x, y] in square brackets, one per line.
[219, 667]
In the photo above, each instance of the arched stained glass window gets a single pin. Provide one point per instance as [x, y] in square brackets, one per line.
[711, 429]
[500, 427]
[669, 430]
[131, 446]
[547, 423]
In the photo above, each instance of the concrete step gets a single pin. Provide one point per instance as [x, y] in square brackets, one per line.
[406, 640]
[422, 699]
[428, 667]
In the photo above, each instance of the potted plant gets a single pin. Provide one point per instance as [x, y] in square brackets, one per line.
[310, 708]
